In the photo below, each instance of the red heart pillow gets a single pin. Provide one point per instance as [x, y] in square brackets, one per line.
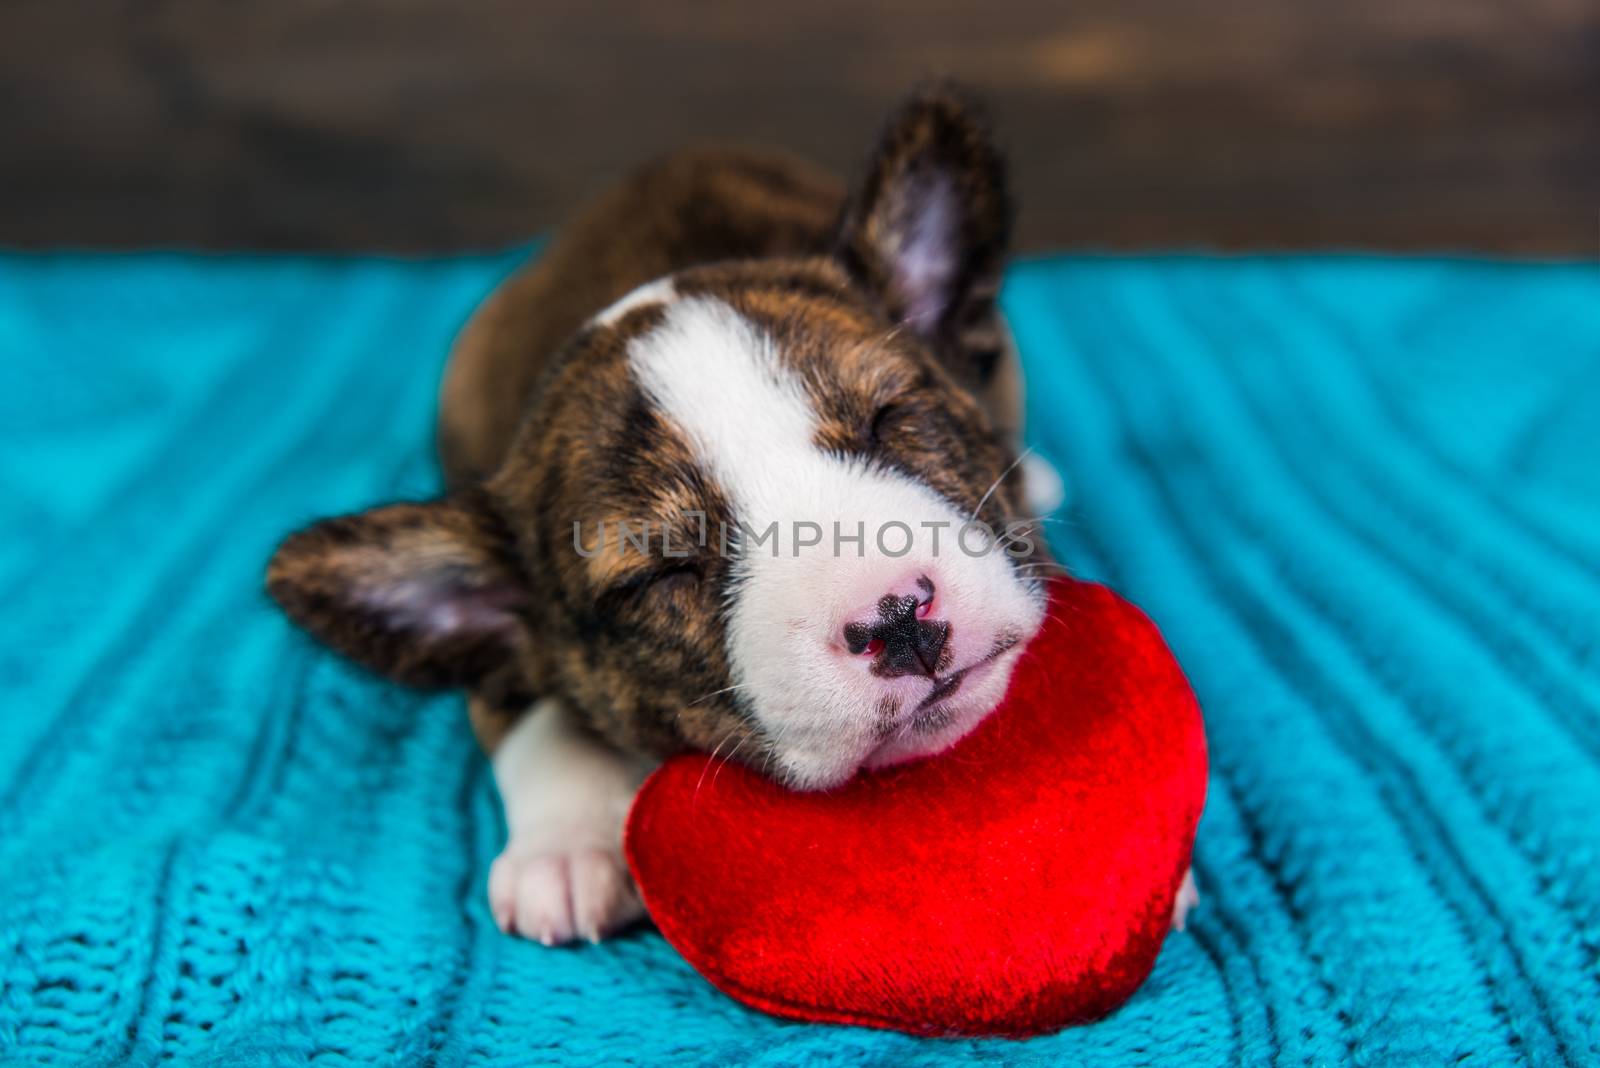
[1019, 882]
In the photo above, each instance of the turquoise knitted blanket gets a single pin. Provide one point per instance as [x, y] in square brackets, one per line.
[1361, 496]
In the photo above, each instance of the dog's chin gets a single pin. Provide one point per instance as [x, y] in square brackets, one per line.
[942, 725]
[934, 730]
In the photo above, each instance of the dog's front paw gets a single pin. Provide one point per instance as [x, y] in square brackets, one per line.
[557, 896]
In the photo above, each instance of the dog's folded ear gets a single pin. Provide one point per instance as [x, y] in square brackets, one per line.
[927, 226]
[428, 594]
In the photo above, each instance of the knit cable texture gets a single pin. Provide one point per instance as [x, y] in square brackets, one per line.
[1360, 496]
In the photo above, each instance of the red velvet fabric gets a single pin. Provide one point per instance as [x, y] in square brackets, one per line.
[1019, 882]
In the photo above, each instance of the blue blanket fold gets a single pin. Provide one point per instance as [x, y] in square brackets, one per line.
[1361, 497]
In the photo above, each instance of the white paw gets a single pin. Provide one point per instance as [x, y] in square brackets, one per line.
[557, 896]
[1188, 898]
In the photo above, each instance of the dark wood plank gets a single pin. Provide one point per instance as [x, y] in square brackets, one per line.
[436, 124]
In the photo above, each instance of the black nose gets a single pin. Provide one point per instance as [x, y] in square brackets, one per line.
[910, 646]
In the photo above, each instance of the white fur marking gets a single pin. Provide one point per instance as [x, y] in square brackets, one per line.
[661, 291]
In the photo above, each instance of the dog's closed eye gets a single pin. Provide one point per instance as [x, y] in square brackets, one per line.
[666, 582]
[671, 581]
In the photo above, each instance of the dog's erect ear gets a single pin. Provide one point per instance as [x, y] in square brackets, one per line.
[427, 594]
[926, 229]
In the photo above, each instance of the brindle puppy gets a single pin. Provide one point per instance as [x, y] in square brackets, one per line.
[715, 460]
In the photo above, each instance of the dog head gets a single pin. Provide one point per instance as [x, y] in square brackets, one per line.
[755, 509]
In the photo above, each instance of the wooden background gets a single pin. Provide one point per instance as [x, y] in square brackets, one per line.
[438, 124]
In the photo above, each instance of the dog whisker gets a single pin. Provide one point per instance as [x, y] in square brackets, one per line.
[1023, 455]
[729, 758]
[717, 693]
[713, 759]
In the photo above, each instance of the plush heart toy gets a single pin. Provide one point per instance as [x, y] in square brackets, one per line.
[1020, 881]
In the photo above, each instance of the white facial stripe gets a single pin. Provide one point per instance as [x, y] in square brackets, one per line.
[713, 374]
[751, 423]
[719, 379]
[660, 291]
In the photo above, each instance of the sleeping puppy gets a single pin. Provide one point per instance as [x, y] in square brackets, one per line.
[716, 460]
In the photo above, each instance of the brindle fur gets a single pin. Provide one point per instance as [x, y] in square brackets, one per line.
[542, 425]
[697, 206]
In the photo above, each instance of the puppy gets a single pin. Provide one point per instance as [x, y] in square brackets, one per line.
[715, 463]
